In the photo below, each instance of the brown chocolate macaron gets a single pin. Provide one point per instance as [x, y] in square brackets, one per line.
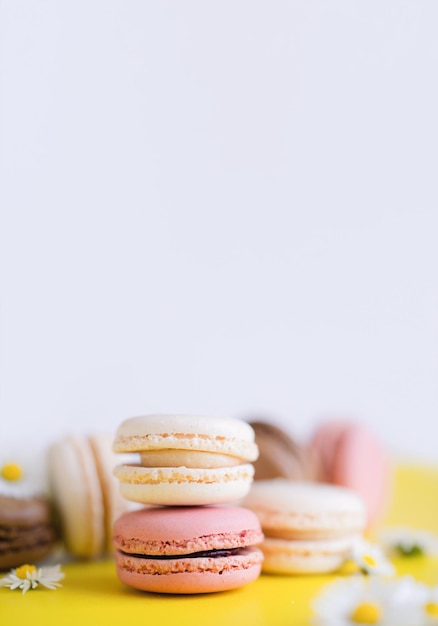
[280, 456]
[27, 532]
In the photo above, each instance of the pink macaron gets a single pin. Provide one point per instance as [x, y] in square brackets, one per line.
[188, 550]
[349, 454]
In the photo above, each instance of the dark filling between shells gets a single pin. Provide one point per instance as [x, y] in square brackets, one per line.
[193, 555]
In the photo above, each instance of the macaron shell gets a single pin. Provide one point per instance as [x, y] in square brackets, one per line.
[184, 486]
[349, 454]
[323, 445]
[195, 575]
[361, 464]
[305, 510]
[114, 503]
[304, 557]
[154, 432]
[185, 530]
[77, 495]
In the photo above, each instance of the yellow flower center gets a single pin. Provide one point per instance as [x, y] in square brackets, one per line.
[11, 471]
[432, 609]
[369, 560]
[23, 570]
[366, 613]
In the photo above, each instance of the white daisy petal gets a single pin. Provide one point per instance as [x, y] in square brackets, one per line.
[15, 584]
[23, 472]
[386, 602]
[29, 577]
[370, 558]
[25, 586]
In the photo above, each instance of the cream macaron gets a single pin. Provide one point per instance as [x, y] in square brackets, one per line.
[308, 527]
[85, 494]
[186, 460]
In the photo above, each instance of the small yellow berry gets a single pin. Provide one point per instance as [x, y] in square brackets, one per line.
[11, 471]
[366, 613]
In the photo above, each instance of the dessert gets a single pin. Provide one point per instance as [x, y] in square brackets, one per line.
[349, 454]
[27, 533]
[309, 527]
[185, 460]
[280, 456]
[84, 492]
[187, 550]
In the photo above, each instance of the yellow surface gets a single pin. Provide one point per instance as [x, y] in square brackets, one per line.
[92, 593]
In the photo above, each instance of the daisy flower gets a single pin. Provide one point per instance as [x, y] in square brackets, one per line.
[28, 577]
[362, 600]
[403, 541]
[427, 610]
[22, 472]
[370, 558]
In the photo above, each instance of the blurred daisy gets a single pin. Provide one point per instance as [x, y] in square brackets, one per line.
[370, 559]
[361, 600]
[28, 577]
[430, 607]
[409, 542]
[427, 607]
[22, 472]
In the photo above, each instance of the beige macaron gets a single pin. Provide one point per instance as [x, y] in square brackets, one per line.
[308, 527]
[84, 492]
[185, 459]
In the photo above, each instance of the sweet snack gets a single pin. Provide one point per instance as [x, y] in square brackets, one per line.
[349, 454]
[280, 456]
[187, 550]
[186, 460]
[84, 492]
[308, 527]
[27, 533]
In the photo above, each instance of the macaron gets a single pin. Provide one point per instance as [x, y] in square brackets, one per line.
[349, 454]
[27, 532]
[280, 455]
[84, 492]
[186, 460]
[308, 527]
[188, 550]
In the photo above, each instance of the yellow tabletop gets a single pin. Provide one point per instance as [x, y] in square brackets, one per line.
[92, 593]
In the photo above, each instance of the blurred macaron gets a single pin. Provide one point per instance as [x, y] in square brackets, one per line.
[27, 525]
[280, 454]
[349, 454]
[308, 527]
[27, 532]
[85, 494]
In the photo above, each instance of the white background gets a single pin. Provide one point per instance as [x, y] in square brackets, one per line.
[227, 208]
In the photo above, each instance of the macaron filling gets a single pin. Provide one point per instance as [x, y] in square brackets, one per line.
[187, 458]
[226, 552]
[210, 561]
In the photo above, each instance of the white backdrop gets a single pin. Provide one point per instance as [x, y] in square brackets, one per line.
[227, 208]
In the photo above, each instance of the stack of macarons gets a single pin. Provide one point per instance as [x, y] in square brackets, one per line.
[190, 536]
